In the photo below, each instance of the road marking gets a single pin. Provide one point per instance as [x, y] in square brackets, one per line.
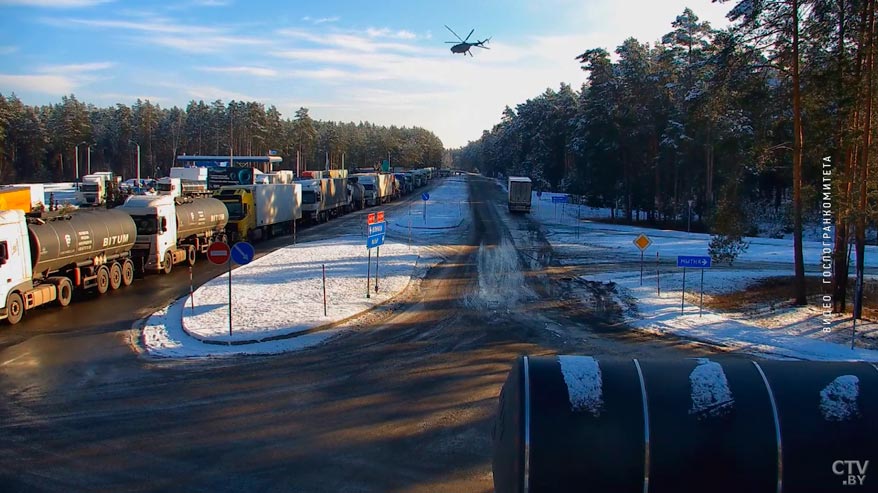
[15, 359]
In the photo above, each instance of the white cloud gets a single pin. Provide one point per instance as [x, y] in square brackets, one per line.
[55, 85]
[346, 41]
[170, 34]
[204, 44]
[75, 68]
[387, 33]
[154, 25]
[213, 3]
[321, 20]
[207, 92]
[242, 70]
[8, 50]
[63, 4]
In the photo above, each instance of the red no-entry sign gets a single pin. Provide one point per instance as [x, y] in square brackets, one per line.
[218, 252]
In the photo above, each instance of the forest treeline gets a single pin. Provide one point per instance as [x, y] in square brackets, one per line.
[758, 113]
[40, 143]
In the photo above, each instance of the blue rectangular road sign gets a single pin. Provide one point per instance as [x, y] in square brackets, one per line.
[374, 240]
[377, 229]
[559, 199]
[693, 261]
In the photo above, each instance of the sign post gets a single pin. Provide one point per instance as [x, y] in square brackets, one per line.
[425, 196]
[376, 229]
[191, 290]
[559, 199]
[658, 284]
[242, 253]
[698, 262]
[219, 253]
[642, 242]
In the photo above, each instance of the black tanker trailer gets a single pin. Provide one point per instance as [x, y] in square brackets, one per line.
[47, 259]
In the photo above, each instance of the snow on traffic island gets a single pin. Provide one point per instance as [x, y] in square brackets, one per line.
[277, 300]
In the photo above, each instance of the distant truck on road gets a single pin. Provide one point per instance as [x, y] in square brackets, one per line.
[378, 186]
[259, 212]
[172, 230]
[46, 261]
[181, 187]
[519, 194]
[324, 198]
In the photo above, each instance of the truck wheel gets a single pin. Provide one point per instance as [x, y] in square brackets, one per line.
[127, 272]
[14, 308]
[103, 280]
[168, 263]
[65, 291]
[115, 276]
[190, 256]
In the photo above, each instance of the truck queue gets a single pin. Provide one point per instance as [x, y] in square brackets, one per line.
[46, 257]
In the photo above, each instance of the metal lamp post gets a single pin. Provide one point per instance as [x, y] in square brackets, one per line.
[689, 217]
[88, 159]
[138, 160]
[76, 155]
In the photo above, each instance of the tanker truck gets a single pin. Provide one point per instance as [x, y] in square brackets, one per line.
[45, 261]
[171, 230]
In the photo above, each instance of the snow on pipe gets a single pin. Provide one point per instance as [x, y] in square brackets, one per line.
[577, 423]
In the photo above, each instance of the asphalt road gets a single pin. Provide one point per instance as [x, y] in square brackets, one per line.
[404, 403]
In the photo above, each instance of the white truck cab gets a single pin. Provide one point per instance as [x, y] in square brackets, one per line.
[156, 220]
[15, 259]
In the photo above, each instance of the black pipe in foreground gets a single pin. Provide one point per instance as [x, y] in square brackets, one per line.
[583, 424]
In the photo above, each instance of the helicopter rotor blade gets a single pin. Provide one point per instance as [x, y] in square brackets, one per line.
[454, 33]
[468, 35]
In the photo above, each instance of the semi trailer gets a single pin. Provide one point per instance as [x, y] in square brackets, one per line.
[519, 194]
[46, 261]
[171, 230]
[259, 212]
[378, 186]
[324, 198]
[181, 187]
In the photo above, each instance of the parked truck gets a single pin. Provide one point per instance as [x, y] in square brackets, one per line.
[405, 183]
[46, 261]
[15, 198]
[181, 187]
[97, 188]
[357, 193]
[378, 187]
[324, 198]
[519, 194]
[171, 230]
[193, 173]
[259, 212]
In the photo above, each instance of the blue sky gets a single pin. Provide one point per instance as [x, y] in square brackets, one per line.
[384, 62]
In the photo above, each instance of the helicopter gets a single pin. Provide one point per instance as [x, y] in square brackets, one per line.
[464, 45]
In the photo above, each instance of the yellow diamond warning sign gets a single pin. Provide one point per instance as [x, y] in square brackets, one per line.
[642, 242]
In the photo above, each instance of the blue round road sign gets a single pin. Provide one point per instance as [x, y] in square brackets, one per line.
[243, 252]
[425, 196]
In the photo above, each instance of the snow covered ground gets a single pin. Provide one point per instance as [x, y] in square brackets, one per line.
[277, 300]
[784, 331]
